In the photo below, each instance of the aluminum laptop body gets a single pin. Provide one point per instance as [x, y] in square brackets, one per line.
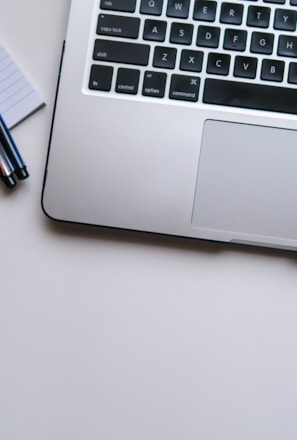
[178, 117]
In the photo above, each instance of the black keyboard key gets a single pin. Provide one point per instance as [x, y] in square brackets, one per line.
[258, 16]
[250, 95]
[184, 88]
[245, 67]
[208, 36]
[285, 20]
[154, 30]
[121, 52]
[191, 60]
[218, 64]
[117, 26]
[262, 43]
[154, 84]
[151, 7]
[281, 2]
[231, 13]
[292, 77]
[235, 39]
[181, 33]
[127, 81]
[178, 8]
[101, 78]
[205, 10]
[164, 57]
[272, 70]
[119, 5]
[287, 46]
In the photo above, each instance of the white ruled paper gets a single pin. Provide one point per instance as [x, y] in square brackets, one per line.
[18, 99]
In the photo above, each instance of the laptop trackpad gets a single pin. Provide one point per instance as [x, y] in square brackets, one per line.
[247, 180]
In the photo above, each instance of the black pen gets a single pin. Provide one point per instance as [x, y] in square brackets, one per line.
[6, 169]
[12, 152]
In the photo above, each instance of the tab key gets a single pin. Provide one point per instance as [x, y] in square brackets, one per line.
[118, 5]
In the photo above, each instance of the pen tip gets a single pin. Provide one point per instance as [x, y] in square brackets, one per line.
[9, 181]
[22, 173]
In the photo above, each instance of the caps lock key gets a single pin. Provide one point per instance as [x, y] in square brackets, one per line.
[118, 26]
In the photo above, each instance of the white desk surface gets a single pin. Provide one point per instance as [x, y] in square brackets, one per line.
[72, 296]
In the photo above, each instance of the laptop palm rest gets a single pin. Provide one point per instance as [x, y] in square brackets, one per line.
[245, 183]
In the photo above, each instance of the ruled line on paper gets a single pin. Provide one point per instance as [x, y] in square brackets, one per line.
[18, 98]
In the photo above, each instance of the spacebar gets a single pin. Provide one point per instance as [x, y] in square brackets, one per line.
[254, 96]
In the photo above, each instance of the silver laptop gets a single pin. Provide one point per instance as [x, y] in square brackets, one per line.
[178, 117]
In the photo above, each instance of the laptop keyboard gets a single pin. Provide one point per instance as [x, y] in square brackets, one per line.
[238, 54]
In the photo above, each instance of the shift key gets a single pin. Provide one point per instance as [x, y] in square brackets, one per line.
[120, 52]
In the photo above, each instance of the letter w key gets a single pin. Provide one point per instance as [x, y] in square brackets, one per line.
[178, 8]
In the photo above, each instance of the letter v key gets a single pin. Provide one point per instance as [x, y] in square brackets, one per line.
[245, 67]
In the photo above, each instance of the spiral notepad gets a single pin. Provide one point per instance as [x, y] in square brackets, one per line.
[18, 98]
